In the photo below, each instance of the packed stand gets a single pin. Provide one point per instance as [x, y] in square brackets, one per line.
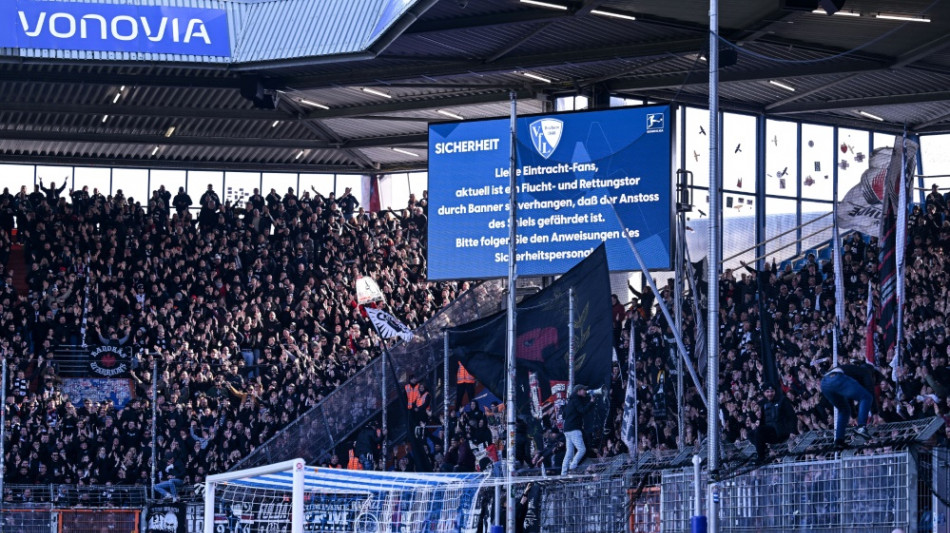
[801, 307]
[248, 310]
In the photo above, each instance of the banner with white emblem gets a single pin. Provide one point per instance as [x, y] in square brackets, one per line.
[387, 325]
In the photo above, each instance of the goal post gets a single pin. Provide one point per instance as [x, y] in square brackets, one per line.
[291, 497]
[265, 476]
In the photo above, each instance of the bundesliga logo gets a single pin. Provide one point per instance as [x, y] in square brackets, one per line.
[655, 122]
[545, 135]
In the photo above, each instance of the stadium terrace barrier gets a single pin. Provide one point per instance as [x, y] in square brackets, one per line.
[896, 481]
[71, 509]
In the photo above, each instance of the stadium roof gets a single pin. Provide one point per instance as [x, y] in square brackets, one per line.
[425, 59]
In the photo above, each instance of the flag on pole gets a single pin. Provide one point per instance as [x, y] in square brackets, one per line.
[628, 428]
[871, 320]
[892, 243]
[699, 343]
[387, 325]
[908, 155]
[839, 281]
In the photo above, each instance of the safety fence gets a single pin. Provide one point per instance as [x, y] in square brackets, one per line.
[879, 491]
[866, 493]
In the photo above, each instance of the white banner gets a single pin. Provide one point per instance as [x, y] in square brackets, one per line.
[367, 291]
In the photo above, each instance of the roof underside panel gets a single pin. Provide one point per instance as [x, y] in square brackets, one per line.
[462, 58]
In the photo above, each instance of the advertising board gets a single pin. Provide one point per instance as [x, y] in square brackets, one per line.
[94, 26]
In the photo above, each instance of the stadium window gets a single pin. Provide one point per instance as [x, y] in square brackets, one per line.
[781, 158]
[782, 216]
[619, 101]
[14, 176]
[853, 157]
[239, 187]
[887, 139]
[811, 211]
[818, 151]
[418, 182]
[134, 184]
[935, 159]
[697, 144]
[51, 174]
[323, 183]
[738, 153]
[280, 181]
[394, 191]
[171, 179]
[571, 103]
[353, 182]
[198, 181]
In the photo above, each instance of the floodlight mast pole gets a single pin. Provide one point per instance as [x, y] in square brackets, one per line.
[715, 256]
[510, 407]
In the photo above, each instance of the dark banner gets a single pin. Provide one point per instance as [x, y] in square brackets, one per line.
[766, 351]
[542, 342]
[109, 362]
[166, 518]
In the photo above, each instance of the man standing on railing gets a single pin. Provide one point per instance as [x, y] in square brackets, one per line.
[172, 477]
[849, 383]
[577, 407]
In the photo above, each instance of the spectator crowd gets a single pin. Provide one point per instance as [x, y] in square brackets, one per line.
[247, 310]
[249, 313]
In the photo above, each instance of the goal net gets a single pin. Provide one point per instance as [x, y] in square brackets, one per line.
[291, 497]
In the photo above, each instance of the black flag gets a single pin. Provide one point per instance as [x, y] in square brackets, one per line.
[766, 352]
[542, 341]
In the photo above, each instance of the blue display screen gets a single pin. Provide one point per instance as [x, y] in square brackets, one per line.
[583, 178]
[114, 28]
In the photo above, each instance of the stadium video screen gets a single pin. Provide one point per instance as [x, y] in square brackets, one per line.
[583, 178]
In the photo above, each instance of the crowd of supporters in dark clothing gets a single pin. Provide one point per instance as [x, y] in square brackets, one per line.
[800, 304]
[249, 312]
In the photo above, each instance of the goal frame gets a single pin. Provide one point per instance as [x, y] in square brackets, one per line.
[295, 466]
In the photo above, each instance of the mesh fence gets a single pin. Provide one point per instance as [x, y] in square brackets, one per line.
[867, 493]
[355, 402]
[61, 508]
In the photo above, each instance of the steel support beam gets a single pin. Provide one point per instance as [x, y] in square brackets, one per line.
[854, 103]
[181, 140]
[437, 69]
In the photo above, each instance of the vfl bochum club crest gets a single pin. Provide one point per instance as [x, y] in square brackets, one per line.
[545, 134]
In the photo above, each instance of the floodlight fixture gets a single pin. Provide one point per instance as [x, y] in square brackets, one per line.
[406, 152]
[377, 92]
[548, 5]
[612, 14]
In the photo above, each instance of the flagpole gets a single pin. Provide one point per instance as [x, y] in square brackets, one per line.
[510, 406]
[677, 336]
[570, 340]
[678, 316]
[382, 383]
[384, 354]
[715, 254]
[839, 290]
[445, 392]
